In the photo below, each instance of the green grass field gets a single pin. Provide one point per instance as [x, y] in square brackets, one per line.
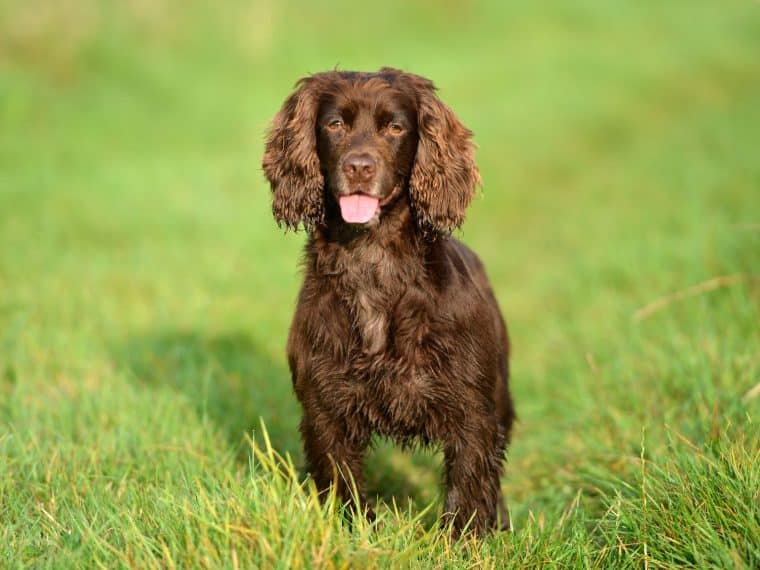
[145, 291]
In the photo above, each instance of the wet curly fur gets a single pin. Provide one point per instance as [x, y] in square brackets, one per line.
[397, 330]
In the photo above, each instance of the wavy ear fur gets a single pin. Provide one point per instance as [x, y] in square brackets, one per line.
[291, 163]
[445, 176]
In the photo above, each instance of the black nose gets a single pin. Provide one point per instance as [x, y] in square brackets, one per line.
[359, 167]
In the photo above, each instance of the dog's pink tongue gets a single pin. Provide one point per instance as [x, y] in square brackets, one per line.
[358, 208]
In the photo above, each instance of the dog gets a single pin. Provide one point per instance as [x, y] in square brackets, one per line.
[397, 330]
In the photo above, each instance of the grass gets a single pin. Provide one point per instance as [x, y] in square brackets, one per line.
[145, 292]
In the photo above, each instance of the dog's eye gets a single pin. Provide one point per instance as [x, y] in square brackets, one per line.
[395, 128]
[335, 125]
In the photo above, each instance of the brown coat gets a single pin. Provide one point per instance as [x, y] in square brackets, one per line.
[397, 330]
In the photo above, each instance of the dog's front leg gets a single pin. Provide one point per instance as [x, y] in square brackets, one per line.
[474, 456]
[335, 458]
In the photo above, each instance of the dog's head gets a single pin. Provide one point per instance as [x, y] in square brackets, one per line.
[360, 140]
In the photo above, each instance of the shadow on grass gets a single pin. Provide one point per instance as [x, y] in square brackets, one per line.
[234, 383]
[410, 478]
[228, 379]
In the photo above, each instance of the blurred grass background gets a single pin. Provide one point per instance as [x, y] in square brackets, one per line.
[145, 292]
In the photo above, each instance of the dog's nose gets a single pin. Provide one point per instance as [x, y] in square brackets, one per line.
[359, 167]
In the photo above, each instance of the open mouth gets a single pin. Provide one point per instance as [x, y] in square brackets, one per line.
[358, 208]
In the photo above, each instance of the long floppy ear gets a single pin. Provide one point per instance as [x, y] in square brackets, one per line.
[445, 176]
[291, 163]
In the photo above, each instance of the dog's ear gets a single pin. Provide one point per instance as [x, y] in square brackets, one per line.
[444, 177]
[291, 163]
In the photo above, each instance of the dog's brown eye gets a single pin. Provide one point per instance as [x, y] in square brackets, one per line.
[335, 124]
[395, 129]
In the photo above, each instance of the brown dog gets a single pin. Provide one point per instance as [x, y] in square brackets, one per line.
[397, 330]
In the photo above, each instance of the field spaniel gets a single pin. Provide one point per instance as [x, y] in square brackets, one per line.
[397, 330]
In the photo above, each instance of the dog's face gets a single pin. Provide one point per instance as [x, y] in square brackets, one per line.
[363, 139]
[366, 143]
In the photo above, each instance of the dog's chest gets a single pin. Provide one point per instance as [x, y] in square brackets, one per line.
[398, 393]
[389, 384]
[372, 322]
[372, 288]
[405, 407]
[399, 403]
